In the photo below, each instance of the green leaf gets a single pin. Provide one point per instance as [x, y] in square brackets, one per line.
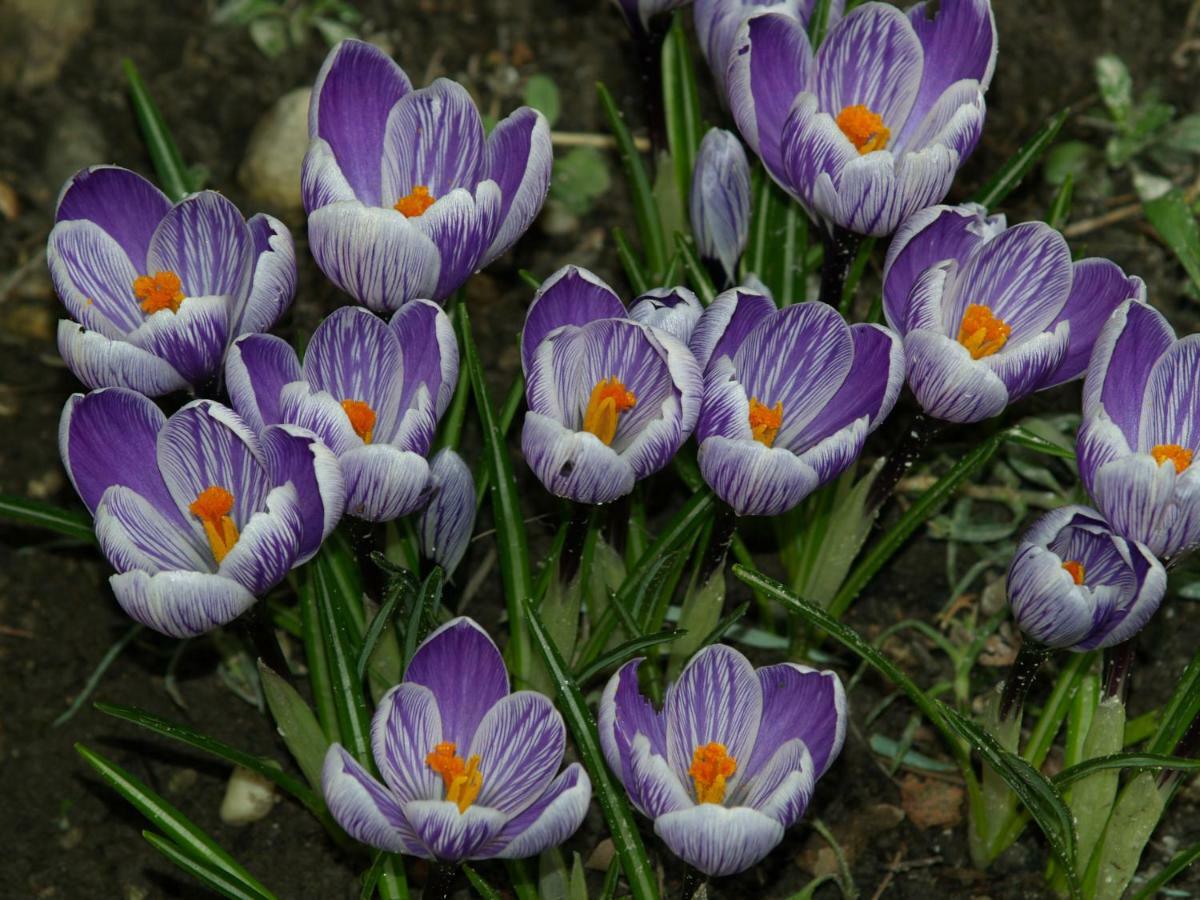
[617, 813]
[386, 876]
[162, 815]
[296, 724]
[681, 106]
[173, 175]
[423, 613]
[542, 94]
[1176, 225]
[1178, 864]
[580, 177]
[1116, 86]
[1125, 761]
[697, 274]
[319, 677]
[1017, 167]
[399, 588]
[818, 22]
[620, 655]
[511, 541]
[1060, 209]
[45, 515]
[93, 681]
[1069, 159]
[508, 412]
[205, 874]
[644, 207]
[485, 890]
[638, 280]
[1181, 710]
[778, 247]
[341, 650]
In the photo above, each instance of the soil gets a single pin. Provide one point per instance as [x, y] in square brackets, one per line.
[66, 834]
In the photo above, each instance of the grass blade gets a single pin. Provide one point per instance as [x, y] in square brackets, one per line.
[107, 660]
[341, 650]
[697, 274]
[397, 589]
[1005, 181]
[1179, 862]
[422, 611]
[1124, 761]
[482, 888]
[1180, 711]
[618, 656]
[294, 721]
[45, 515]
[173, 175]
[681, 106]
[508, 412]
[206, 875]
[818, 22]
[638, 280]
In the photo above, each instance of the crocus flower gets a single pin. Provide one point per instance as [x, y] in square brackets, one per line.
[990, 314]
[718, 21]
[872, 126]
[719, 205]
[372, 390]
[673, 310]
[197, 513]
[469, 770]
[1073, 584]
[444, 526]
[638, 13]
[610, 399]
[405, 196]
[732, 758]
[790, 396]
[157, 290]
[1141, 431]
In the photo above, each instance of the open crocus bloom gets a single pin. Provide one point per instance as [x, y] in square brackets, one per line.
[1073, 584]
[157, 290]
[198, 515]
[405, 196]
[611, 399]
[1140, 436]
[874, 125]
[790, 396]
[990, 314]
[373, 391]
[469, 770]
[732, 758]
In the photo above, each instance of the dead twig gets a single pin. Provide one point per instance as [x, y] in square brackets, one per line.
[892, 869]
[597, 141]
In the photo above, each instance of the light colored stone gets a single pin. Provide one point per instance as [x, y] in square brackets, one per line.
[270, 170]
[248, 798]
[37, 38]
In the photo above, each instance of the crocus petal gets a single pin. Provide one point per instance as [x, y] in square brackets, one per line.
[956, 122]
[803, 704]
[571, 296]
[405, 729]
[135, 535]
[574, 464]
[1045, 601]
[180, 604]
[1133, 615]
[376, 255]
[784, 785]
[948, 383]
[518, 157]
[268, 545]
[122, 203]
[719, 203]
[99, 361]
[364, 808]
[296, 456]
[624, 714]
[321, 181]
[726, 322]
[673, 310]
[1029, 366]
[383, 483]
[461, 225]
[812, 146]
[463, 668]
[754, 479]
[1150, 503]
[1171, 411]
[719, 841]
[653, 786]
[205, 241]
[959, 42]
[256, 369]
[1098, 442]
[1128, 348]
[430, 353]
[93, 277]
[550, 820]
[192, 340]
[319, 413]
[445, 524]
[355, 91]
[1098, 287]
[434, 139]
[520, 744]
[272, 280]
[450, 835]
[870, 388]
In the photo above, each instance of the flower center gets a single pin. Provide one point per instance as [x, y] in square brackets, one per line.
[1180, 456]
[362, 418]
[981, 332]
[1075, 569]
[162, 290]
[463, 780]
[415, 201]
[765, 421]
[711, 765]
[864, 128]
[608, 400]
[212, 507]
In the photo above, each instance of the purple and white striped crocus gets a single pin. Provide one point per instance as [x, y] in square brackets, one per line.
[731, 760]
[372, 390]
[874, 125]
[719, 205]
[445, 524]
[1141, 431]
[405, 196]
[469, 770]
[990, 314]
[611, 399]
[717, 23]
[157, 290]
[198, 514]
[1075, 585]
[790, 396]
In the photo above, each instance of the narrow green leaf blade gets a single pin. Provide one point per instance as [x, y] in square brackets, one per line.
[681, 105]
[45, 515]
[1005, 181]
[1125, 761]
[618, 656]
[1176, 224]
[205, 874]
[1179, 862]
[296, 724]
[173, 175]
[697, 274]
[341, 650]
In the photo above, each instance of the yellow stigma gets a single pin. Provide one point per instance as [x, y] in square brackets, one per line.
[981, 332]
[162, 290]
[608, 400]
[212, 507]
[711, 766]
[765, 421]
[463, 780]
[362, 418]
[415, 202]
[1180, 456]
[864, 128]
[1075, 570]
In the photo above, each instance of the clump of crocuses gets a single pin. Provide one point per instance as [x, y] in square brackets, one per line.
[405, 195]
[470, 771]
[199, 515]
[157, 290]
[731, 760]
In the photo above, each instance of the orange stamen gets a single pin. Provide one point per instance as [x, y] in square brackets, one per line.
[981, 332]
[463, 780]
[608, 400]
[864, 128]
[162, 290]
[415, 202]
[362, 418]
[711, 766]
[1180, 456]
[765, 421]
[212, 507]
[1075, 569]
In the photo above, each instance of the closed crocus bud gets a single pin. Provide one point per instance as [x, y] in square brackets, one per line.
[720, 201]
[673, 310]
[1074, 585]
[445, 524]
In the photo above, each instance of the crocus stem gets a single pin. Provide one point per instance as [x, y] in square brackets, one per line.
[1020, 677]
[693, 880]
[1120, 661]
[1187, 747]
[724, 526]
[572, 550]
[440, 881]
[840, 249]
[261, 633]
[650, 48]
[920, 432]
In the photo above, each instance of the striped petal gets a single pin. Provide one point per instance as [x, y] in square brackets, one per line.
[180, 604]
[383, 483]
[99, 361]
